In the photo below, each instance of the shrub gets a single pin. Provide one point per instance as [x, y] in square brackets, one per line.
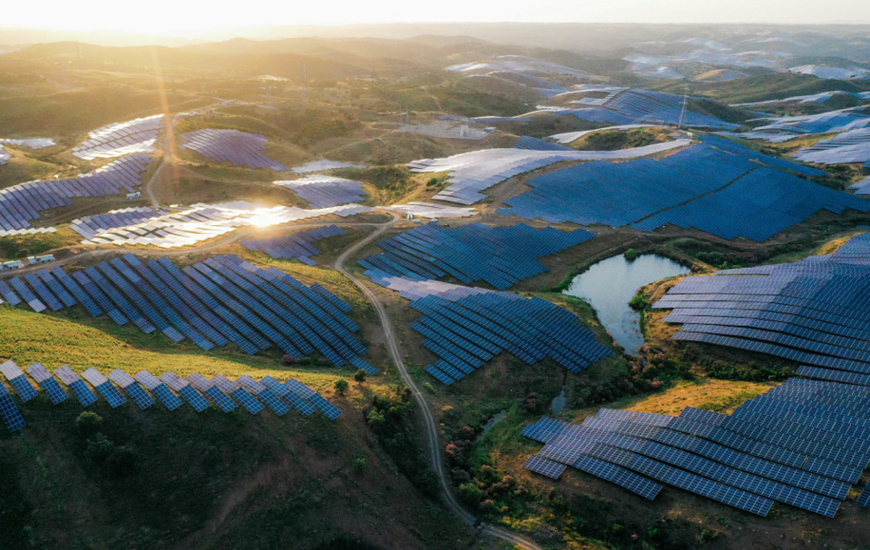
[360, 376]
[88, 424]
[470, 495]
[341, 386]
[630, 254]
[639, 303]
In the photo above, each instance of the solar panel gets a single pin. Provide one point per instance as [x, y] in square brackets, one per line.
[18, 381]
[9, 411]
[159, 389]
[208, 387]
[262, 392]
[104, 386]
[39, 373]
[544, 466]
[133, 389]
[246, 399]
[76, 385]
[193, 397]
[864, 498]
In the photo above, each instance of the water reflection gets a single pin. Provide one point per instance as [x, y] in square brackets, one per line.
[611, 283]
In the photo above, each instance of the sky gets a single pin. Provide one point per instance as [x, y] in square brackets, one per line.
[174, 17]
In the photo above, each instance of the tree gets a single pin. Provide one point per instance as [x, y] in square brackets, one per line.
[360, 376]
[341, 386]
[88, 424]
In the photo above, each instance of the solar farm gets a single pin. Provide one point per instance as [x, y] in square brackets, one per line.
[299, 245]
[237, 148]
[37, 143]
[500, 256]
[21, 205]
[808, 311]
[599, 289]
[710, 187]
[797, 445]
[474, 172]
[116, 140]
[212, 303]
[325, 191]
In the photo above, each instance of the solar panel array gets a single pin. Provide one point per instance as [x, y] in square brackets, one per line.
[803, 443]
[500, 256]
[324, 165]
[812, 312]
[122, 138]
[782, 129]
[201, 222]
[299, 245]
[27, 231]
[237, 148]
[467, 326]
[535, 144]
[844, 148]
[325, 191]
[713, 187]
[220, 300]
[170, 389]
[91, 226]
[21, 204]
[648, 106]
[475, 171]
[33, 143]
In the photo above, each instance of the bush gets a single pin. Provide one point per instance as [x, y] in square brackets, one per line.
[360, 376]
[639, 303]
[341, 386]
[115, 461]
[631, 254]
[470, 495]
[88, 424]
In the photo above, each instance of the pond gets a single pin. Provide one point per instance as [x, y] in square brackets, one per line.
[608, 286]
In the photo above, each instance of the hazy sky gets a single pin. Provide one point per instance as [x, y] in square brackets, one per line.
[173, 16]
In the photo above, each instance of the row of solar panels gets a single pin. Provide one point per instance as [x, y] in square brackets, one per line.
[90, 226]
[21, 204]
[467, 327]
[500, 256]
[233, 146]
[803, 443]
[144, 389]
[214, 302]
[324, 191]
[299, 245]
[649, 106]
[121, 138]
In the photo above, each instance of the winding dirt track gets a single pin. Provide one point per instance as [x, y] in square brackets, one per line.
[433, 447]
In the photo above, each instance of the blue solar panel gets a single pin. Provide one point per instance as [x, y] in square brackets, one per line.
[9, 411]
[222, 400]
[165, 395]
[331, 411]
[22, 387]
[139, 396]
[247, 400]
[83, 393]
[111, 394]
[194, 398]
[54, 391]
